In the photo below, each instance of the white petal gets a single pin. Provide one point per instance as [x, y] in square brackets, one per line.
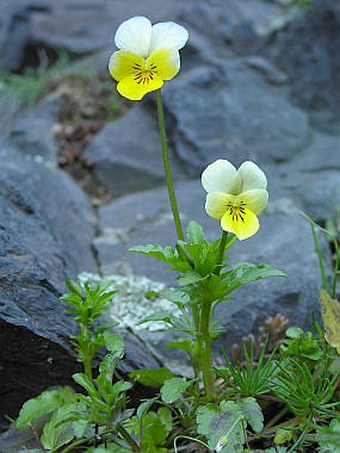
[252, 176]
[221, 176]
[134, 35]
[168, 35]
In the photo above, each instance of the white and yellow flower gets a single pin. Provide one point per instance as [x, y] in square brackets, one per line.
[235, 197]
[148, 54]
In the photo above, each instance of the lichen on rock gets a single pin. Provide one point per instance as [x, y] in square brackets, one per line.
[136, 298]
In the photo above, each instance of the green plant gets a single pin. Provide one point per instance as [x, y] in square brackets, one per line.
[287, 397]
[308, 396]
[303, 344]
[96, 415]
[87, 304]
[205, 281]
[297, 387]
[225, 425]
[25, 90]
[250, 377]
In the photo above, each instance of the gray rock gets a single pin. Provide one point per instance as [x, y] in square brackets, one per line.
[46, 230]
[46, 235]
[307, 49]
[242, 27]
[79, 27]
[318, 193]
[52, 200]
[312, 177]
[272, 74]
[126, 155]
[247, 119]
[16, 32]
[30, 134]
[30, 363]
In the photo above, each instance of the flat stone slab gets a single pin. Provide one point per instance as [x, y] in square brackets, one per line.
[248, 119]
[127, 155]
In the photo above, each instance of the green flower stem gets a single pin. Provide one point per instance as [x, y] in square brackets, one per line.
[195, 360]
[319, 254]
[167, 170]
[205, 350]
[203, 336]
[129, 439]
[85, 355]
[222, 249]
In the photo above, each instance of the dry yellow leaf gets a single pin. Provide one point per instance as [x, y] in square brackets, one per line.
[330, 312]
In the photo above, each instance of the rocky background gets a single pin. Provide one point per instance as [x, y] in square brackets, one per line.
[260, 80]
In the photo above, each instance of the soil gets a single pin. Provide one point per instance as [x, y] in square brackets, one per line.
[88, 104]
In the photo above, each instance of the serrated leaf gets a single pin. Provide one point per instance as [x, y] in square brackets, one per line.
[294, 332]
[86, 383]
[167, 254]
[164, 415]
[253, 413]
[189, 346]
[330, 312]
[106, 370]
[144, 407]
[43, 404]
[173, 389]
[74, 287]
[152, 378]
[243, 273]
[158, 316]
[283, 436]
[189, 278]
[57, 432]
[329, 437]
[80, 427]
[156, 428]
[114, 344]
[120, 387]
[195, 233]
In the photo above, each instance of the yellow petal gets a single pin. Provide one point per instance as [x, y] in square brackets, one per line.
[123, 63]
[165, 63]
[243, 226]
[131, 89]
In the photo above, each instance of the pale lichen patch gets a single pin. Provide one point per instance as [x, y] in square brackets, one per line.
[132, 302]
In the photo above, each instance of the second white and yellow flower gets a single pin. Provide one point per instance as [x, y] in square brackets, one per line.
[148, 54]
[235, 197]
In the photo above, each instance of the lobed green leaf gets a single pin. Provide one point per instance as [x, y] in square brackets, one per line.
[173, 389]
[45, 403]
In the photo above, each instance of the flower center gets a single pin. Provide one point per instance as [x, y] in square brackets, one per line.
[236, 211]
[143, 73]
